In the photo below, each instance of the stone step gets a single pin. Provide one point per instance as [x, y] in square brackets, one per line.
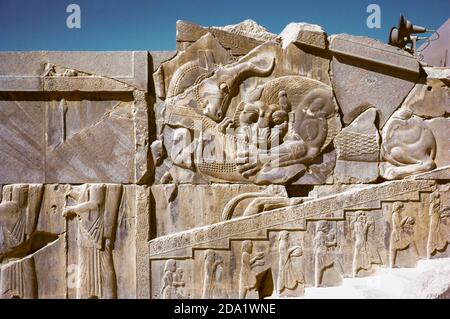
[429, 280]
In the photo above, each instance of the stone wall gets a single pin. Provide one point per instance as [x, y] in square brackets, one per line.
[244, 165]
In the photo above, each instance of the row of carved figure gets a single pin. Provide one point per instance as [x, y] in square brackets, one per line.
[93, 207]
[326, 255]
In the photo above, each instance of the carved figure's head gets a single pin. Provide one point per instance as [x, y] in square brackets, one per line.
[209, 254]
[247, 246]
[323, 226]
[171, 266]
[397, 207]
[249, 114]
[284, 235]
[214, 93]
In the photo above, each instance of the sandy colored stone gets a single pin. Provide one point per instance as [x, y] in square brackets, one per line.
[358, 150]
[239, 43]
[249, 28]
[441, 130]
[367, 73]
[23, 71]
[348, 261]
[177, 210]
[23, 150]
[56, 249]
[429, 100]
[306, 34]
[229, 173]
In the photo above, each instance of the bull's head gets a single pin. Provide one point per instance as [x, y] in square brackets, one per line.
[214, 93]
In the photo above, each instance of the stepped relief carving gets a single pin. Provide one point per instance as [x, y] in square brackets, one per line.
[378, 226]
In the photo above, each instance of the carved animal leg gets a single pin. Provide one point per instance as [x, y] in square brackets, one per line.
[279, 175]
[259, 205]
[391, 172]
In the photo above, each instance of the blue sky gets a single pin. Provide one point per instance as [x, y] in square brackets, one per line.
[150, 24]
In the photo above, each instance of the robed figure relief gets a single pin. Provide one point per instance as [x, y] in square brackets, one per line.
[289, 277]
[96, 213]
[364, 256]
[18, 215]
[248, 285]
[437, 241]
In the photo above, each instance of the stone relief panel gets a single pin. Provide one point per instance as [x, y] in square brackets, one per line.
[65, 117]
[245, 121]
[68, 241]
[244, 165]
[386, 225]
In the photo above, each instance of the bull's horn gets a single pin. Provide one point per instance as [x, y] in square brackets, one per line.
[247, 69]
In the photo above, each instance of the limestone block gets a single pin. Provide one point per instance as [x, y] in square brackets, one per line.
[71, 140]
[22, 152]
[90, 107]
[182, 207]
[372, 50]
[358, 150]
[304, 34]
[429, 100]
[367, 73]
[441, 131]
[240, 39]
[86, 71]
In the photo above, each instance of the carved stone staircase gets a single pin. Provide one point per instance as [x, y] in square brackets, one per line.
[218, 236]
[421, 281]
